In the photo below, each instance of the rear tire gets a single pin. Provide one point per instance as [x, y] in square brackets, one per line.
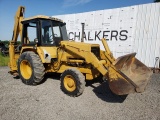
[72, 82]
[30, 68]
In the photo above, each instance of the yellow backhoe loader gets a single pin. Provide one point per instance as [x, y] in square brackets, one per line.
[45, 48]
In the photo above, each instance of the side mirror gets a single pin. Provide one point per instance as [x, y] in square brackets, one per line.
[36, 40]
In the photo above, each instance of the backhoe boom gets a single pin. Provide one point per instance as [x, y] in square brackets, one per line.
[13, 43]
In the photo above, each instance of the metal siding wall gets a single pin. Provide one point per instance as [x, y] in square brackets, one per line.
[146, 41]
[142, 23]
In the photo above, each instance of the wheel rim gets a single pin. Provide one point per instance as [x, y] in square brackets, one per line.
[25, 69]
[69, 83]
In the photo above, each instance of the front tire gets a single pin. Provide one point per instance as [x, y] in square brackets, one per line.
[72, 82]
[30, 68]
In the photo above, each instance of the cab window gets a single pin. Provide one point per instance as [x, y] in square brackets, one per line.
[29, 33]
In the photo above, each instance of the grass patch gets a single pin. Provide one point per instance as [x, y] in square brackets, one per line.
[4, 60]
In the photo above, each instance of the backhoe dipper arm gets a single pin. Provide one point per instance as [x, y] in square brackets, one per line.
[17, 25]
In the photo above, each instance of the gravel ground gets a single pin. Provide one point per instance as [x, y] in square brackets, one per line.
[47, 102]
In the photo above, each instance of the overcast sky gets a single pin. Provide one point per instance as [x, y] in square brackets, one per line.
[8, 9]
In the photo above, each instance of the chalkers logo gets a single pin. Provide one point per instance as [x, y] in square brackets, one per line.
[97, 35]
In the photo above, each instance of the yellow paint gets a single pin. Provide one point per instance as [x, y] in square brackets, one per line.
[69, 83]
[25, 68]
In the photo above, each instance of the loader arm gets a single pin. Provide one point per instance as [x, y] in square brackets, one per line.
[90, 58]
[84, 51]
[16, 32]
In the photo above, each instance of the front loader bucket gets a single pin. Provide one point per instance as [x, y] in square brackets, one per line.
[128, 75]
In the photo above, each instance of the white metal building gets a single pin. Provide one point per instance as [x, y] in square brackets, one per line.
[127, 30]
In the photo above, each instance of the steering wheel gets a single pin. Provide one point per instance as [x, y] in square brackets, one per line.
[51, 40]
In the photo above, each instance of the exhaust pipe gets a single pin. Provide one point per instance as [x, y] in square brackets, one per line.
[82, 37]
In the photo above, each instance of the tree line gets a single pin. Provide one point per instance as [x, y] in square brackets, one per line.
[6, 42]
